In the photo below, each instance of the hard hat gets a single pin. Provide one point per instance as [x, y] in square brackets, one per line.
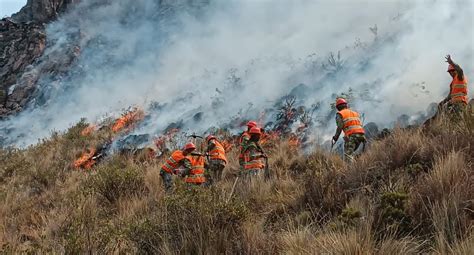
[189, 146]
[340, 101]
[451, 68]
[210, 137]
[255, 131]
[251, 124]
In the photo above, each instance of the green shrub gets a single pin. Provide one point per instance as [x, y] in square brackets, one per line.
[392, 214]
[116, 179]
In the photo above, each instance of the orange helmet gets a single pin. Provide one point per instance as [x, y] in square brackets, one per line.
[451, 68]
[255, 131]
[251, 124]
[210, 137]
[340, 101]
[189, 146]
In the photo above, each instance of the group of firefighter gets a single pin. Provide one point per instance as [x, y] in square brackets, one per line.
[202, 169]
[196, 170]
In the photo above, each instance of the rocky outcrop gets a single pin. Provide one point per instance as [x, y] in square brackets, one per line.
[41, 11]
[22, 43]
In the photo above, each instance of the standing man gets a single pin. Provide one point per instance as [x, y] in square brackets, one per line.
[244, 138]
[217, 157]
[179, 158]
[457, 99]
[349, 122]
[254, 157]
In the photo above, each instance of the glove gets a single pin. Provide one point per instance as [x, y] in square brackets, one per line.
[334, 138]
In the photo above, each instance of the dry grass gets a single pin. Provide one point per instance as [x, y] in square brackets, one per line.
[412, 192]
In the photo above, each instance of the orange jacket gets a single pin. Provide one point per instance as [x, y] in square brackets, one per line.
[173, 161]
[218, 152]
[458, 90]
[253, 157]
[196, 175]
[352, 123]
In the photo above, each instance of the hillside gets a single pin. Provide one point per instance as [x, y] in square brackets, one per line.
[410, 192]
[96, 94]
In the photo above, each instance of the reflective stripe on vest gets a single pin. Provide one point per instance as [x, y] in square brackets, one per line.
[352, 123]
[196, 175]
[173, 161]
[218, 152]
[252, 164]
[458, 90]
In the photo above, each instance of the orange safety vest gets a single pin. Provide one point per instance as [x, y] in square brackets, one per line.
[241, 155]
[352, 123]
[196, 175]
[218, 152]
[458, 90]
[252, 163]
[173, 161]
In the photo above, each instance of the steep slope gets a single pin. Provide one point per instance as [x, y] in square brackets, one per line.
[234, 60]
[411, 192]
[23, 41]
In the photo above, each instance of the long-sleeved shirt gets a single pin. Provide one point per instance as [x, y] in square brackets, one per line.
[339, 124]
[460, 74]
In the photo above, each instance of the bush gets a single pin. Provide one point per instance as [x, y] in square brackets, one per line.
[191, 220]
[324, 186]
[117, 179]
[391, 214]
[409, 193]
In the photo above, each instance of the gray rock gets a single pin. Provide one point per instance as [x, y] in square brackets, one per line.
[22, 43]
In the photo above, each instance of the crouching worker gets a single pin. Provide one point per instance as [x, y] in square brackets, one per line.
[254, 157]
[194, 175]
[349, 122]
[178, 159]
[217, 157]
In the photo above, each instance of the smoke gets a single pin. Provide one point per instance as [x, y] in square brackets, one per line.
[237, 58]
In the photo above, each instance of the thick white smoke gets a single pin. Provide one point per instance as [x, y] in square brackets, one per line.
[248, 54]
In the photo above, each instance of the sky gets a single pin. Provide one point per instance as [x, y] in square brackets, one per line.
[8, 7]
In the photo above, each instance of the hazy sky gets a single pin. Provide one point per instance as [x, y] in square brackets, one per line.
[8, 7]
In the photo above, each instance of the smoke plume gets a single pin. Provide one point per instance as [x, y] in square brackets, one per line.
[235, 59]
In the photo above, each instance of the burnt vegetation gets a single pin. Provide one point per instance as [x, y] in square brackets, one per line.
[411, 192]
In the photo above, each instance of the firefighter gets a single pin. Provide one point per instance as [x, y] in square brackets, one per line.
[244, 138]
[178, 159]
[457, 100]
[217, 157]
[254, 156]
[195, 175]
[349, 122]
